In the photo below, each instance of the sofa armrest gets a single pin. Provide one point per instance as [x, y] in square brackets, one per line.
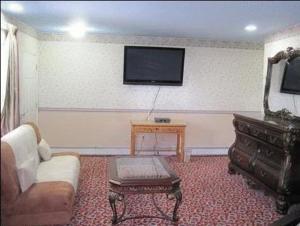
[43, 203]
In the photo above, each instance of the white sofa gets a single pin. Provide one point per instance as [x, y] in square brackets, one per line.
[35, 192]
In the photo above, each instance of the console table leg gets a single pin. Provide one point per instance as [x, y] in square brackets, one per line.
[177, 194]
[132, 147]
[112, 197]
[178, 145]
[181, 147]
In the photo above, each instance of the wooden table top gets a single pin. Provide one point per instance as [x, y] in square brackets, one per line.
[153, 123]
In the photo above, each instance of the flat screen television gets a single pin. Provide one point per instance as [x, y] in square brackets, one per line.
[291, 77]
[153, 65]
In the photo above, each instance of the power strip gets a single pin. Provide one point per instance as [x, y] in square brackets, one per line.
[162, 120]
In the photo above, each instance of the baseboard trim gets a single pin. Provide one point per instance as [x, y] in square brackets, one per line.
[198, 151]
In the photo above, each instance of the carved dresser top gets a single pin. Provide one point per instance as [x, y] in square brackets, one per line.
[273, 122]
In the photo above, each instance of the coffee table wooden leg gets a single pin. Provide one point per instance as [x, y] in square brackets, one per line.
[177, 194]
[112, 197]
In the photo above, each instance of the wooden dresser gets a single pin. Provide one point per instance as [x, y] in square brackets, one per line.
[267, 152]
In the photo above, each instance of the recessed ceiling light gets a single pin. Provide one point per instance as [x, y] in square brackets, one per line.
[78, 29]
[250, 27]
[15, 7]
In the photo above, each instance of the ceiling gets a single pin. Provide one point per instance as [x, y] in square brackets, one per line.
[206, 20]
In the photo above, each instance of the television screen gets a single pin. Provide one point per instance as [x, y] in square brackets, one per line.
[291, 77]
[153, 65]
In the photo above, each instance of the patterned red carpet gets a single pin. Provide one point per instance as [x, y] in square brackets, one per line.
[210, 197]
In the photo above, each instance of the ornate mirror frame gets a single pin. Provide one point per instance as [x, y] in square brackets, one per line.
[284, 114]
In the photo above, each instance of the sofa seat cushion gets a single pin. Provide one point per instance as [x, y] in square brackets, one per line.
[26, 174]
[60, 168]
[45, 197]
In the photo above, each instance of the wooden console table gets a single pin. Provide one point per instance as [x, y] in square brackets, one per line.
[177, 127]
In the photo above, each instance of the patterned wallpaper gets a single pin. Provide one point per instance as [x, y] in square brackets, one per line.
[152, 40]
[28, 59]
[284, 34]
[90, 75]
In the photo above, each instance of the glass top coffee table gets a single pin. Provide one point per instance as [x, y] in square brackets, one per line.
[142, 175]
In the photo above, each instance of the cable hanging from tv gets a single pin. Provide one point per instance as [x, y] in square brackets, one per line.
[153, 104]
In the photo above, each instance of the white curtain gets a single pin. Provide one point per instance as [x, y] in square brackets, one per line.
[10, 113]
[4, 64]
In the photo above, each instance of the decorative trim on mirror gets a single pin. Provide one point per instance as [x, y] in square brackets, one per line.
[284, 114]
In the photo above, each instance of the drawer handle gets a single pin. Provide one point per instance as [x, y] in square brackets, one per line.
[273, 139]
[248, 143]
[258, 150]
[255, 132]
[262, 173]
[269, 153]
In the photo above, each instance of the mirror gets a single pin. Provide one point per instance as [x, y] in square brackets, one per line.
[282, 99]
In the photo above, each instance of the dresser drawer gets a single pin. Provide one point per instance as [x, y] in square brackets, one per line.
[258, 132]
[263, 133]
[275, 138]
[246, 143]
[241, 126]
[270, 155]
[266, 174]
[241, 159]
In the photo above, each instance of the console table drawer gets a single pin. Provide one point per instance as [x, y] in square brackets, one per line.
[158, 130]
[144, 129]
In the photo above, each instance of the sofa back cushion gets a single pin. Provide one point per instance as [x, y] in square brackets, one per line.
[23, 143]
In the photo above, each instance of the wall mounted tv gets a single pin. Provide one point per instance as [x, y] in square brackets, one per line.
[291, 77]
[153, 65]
